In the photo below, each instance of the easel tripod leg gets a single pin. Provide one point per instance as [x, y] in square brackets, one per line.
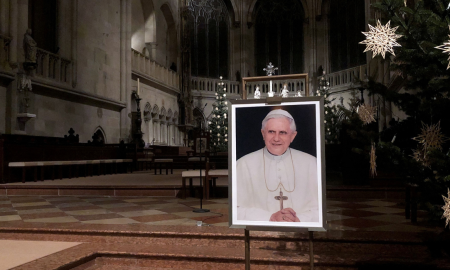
[311, 250]
[247, 249]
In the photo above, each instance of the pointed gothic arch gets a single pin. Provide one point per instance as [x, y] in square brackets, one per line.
[155, 110]
[209, 26]
[171, 36]
[147, 112]
[99, 136]
[279, 36]
[163, 112]
[251, 11]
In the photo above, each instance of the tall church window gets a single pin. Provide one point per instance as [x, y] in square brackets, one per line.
[346, 22]
[279, 36]
[209, 27]
[42, 20]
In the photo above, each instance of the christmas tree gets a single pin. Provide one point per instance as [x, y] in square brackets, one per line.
[421, 69]
[218, 123]
[330, 111]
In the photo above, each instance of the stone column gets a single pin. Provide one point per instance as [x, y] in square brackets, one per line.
[156, 130]
[74, 42]
[4, 19]
[13, 13]
[125, 67]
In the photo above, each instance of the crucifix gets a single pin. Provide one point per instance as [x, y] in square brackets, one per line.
[281, 198]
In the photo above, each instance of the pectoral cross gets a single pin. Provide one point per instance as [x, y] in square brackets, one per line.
[281, 198]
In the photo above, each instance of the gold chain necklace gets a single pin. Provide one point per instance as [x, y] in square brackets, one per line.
[265, 180]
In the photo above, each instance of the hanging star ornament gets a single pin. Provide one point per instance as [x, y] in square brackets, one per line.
[381, 39]
[446, 208]
[419, 155]
[446, 48]
[366, 113]
[373, 164]
[431, 137]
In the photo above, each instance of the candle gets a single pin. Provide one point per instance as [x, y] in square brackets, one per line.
[138, 86]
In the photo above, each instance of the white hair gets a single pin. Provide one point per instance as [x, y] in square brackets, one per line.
[272, 116]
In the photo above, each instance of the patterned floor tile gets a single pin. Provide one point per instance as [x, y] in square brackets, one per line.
[176, 209]
[128, 209]
[5, 202]
[21, 208]
[116, 205]
[66, 204]
[10, 218]
[8, 213]
[141, 213]
[35, 211]
[111, 221]
[184, 221]
[31, 204]
[193, 214]
[397, 228]
[152, 218]
[77, 208]
[97, 217]
[212, 206]
[66, 219]
[88, 212]
[43, 215]
[212, 220]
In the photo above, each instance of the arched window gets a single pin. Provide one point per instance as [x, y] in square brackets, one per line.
[209, 27]
[279, 36]
[42, 20]
[346, 22]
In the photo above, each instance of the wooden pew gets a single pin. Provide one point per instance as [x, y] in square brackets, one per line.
[41, 153]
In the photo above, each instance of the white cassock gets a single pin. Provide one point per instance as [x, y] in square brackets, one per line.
[260, 175]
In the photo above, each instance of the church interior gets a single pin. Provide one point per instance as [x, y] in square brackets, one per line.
[104, 105]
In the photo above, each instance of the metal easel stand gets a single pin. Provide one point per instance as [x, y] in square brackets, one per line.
[247, 249]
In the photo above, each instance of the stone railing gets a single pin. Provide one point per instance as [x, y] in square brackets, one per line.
[293, 85]
[52, 66]
[146, 66]
[343, 79]
[4, 52]
[210, 85]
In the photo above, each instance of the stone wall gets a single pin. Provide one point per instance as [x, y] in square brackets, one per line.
[54, 117]
[99, 47]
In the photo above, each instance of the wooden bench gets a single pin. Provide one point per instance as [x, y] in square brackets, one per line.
[56, 157]
[206, 176]
[58, 165]
[166, 161]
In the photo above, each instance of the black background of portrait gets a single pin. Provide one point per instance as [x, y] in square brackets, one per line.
[248, 128]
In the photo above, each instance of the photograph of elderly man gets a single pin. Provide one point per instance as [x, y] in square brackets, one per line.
[277, 182]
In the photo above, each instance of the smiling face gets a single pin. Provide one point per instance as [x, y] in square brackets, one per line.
[277, 135]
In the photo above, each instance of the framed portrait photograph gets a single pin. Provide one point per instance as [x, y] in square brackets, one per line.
[277, 164]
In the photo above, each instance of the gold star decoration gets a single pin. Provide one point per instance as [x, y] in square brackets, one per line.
[446, 208]
[431, 137]
[381, 39]
[366, 113]
[373, 164]
[446, 48]
[420, 156]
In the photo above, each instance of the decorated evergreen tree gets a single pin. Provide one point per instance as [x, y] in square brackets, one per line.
[421, 64]
[330, 111]
[218, 123]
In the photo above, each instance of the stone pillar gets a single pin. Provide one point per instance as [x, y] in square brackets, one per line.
[74, 42]
[156, 130]
[4, 19]
[151, 47]
[125, 67]
[13, 13]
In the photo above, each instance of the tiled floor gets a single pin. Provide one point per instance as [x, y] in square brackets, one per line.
[355, 215]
